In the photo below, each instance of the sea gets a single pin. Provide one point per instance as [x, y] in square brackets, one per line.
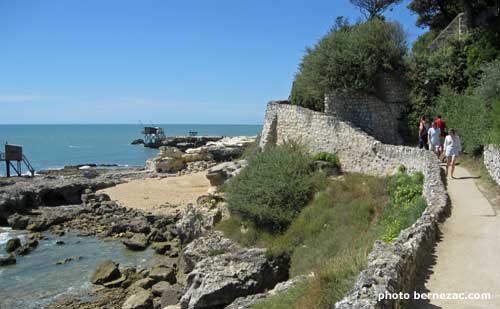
[55, 146]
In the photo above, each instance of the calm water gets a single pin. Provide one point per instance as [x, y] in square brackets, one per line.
[36, 280]
[54, 146]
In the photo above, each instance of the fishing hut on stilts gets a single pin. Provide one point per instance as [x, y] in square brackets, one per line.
[14, 158]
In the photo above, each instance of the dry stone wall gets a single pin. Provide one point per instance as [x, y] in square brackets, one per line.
[492, 161]
[377, 115]
[392, 267]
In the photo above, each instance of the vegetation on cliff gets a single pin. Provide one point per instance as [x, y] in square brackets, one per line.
[348, 58]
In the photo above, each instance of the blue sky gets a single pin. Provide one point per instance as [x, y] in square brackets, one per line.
[163, 61]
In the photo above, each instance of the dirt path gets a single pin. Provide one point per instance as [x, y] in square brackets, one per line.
[467, 259]
[160, 196]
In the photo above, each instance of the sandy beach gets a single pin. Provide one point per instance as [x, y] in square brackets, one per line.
[160, 195]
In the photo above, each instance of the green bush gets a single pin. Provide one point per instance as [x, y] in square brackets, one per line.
[273, 188]
[348, 58]
[468, 115]
[327, 157]
[406, 203]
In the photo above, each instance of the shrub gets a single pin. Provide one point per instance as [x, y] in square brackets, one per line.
[406, 204]
[327, 157]
[348, 58]
[273, 188]
[468, 115]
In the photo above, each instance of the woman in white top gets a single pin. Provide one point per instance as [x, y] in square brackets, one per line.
[452, 147]
[433, 139]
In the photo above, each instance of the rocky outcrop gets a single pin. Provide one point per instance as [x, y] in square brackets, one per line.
[7, 260]
[196, 221]
[202, 247]
[137, 242]
[217, 281]
[282, 287]
[105, 272]
[220, 173]
[21, 195]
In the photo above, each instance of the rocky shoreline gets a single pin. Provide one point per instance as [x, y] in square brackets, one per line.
[198, 267]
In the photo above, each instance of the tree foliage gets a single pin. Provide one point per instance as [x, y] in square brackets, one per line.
[374, 8]
[348, 58]
[437, 14]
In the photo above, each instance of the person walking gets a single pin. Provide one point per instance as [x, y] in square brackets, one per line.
[433, 139]
[452, 148]
[423, 127]
[441, 124]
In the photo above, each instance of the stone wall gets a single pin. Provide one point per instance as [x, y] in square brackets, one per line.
[391, 267]
[492, 161]
[377, 115]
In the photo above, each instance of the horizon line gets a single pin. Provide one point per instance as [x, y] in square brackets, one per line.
[127, 123]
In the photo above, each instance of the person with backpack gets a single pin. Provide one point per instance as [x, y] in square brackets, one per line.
[423, 127]
[452, 148]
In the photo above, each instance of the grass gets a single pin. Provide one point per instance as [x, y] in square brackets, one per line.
[331, 237]
[334, 233]
[486, 184]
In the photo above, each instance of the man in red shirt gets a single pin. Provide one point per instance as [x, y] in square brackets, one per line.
[441, 124]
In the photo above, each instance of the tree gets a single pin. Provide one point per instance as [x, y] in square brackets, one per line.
[437, 14]
[373, 8]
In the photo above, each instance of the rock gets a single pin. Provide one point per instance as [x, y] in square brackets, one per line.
[30, 245]
[158, 288]
[203, 247]
[138, 141]
[115, 283]
[282, 287]
[196, 221]
[171, 295]
[220, 173]
[163, 273]
[193, 157]
[217, 281]
[7, 260]
[145, 283]
[13, 244]
[60, 243]
[18, 222]
[161, 247]
[169, 165]
[140, 300]
[105, 272]
[169, 151]
[137, 242]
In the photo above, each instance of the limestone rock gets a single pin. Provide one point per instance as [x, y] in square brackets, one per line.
[7, 260]
[196, 221]
[203, 247]
[140, 300]
[171, 295]
[159, 287]
[169, 151]
[105, 272]
[163, 273]
[220, 173]
[13, 244]
[161, 247]
[137, 242]
[217, 281]
[18, 222]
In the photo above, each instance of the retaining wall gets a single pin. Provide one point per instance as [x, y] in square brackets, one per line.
[492, 161]
[391, 267]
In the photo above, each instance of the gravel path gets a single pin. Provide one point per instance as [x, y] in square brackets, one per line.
[467, 259]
